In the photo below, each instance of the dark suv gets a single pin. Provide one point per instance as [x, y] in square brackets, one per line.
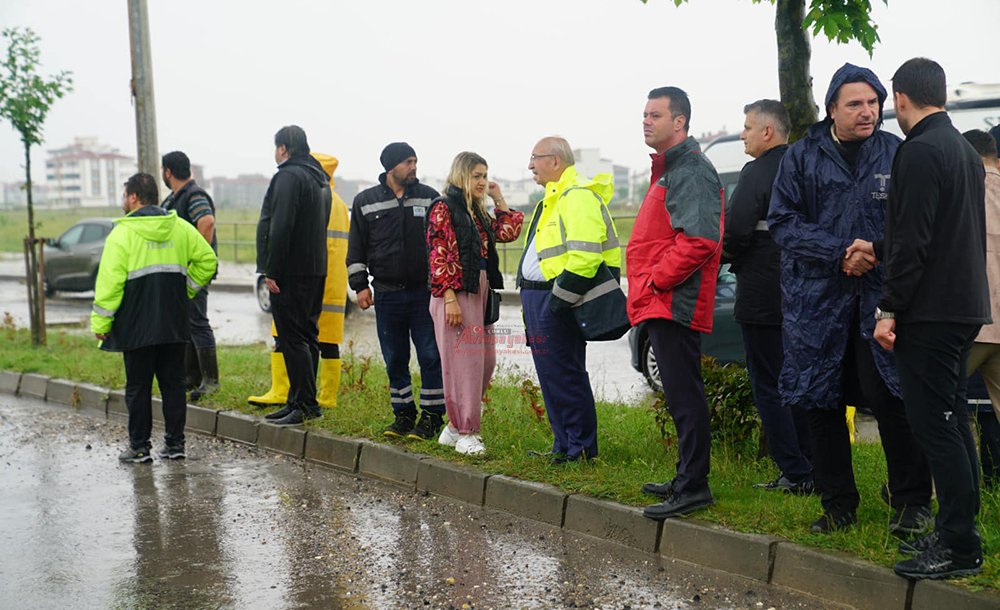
[71, 261]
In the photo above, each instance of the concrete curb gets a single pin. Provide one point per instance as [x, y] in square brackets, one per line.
[9, 382]
[389, 464]
[337, 452]
[455, 481]
[833, 577]
[61, 391]
[237, 427]
[93, 398]
[838, 578]
[528, 499]
[116, 405]
[612, 521]
[33, 385]
[287, 441]
[715, 547]
[201, 420]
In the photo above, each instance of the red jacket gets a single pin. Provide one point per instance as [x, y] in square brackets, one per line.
[672, 259]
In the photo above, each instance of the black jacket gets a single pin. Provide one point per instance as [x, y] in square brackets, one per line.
[469, 242]
[190, 201]
[935, 235]
[291, 232]
[747, 244]
[388, 238]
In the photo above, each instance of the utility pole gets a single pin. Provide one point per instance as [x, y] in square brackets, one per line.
[142, 88]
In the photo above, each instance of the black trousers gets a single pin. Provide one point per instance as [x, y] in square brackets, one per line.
[909, 476]
[201, 330]
[786, 429]
[296, 312]
[932, 370]
[166, 362]
[678, 355]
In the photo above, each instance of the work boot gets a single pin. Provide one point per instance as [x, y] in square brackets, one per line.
[427, 428]
[329, 382]
[403, 424]
[278, 394]
[209, 364]
[192, 372]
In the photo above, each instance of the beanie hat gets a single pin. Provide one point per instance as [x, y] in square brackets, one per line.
[396, 153]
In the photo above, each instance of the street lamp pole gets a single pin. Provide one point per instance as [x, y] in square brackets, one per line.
[142, 87]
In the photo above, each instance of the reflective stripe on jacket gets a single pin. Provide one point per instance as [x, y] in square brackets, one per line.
[152, 263]
[574, 234]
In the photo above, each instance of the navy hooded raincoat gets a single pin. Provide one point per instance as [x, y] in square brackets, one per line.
[819, 206]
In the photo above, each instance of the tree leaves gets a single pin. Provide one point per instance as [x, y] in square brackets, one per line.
[26, 96]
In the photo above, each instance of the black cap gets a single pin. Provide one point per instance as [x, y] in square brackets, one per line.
[395, 153]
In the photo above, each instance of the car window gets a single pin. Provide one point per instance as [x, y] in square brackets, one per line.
[92, 233]
[72, 236]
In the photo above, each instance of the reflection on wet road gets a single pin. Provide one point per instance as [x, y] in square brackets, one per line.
[233, 527]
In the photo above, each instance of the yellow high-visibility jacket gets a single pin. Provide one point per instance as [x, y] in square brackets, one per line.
[574, 233]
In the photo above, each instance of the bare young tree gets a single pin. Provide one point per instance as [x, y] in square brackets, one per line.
[25, 99]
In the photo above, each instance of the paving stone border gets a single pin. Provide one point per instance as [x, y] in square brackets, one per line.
[831, 576]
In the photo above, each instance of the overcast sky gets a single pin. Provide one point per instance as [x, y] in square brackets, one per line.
[444, 75]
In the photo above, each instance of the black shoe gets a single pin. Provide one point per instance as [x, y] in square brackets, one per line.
[562, 458]
[311, 412]
[679, 503]
[918, 545]
[660, 490]
[402, 425]
[911, 521]
[135, 456]
[782, 483]
[427, 428]
[280, 413]
[169, 452]
[831, 522]
[938, 562]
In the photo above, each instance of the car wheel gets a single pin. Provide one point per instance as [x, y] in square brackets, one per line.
[263, 295]
[650, 370]
[49, 290]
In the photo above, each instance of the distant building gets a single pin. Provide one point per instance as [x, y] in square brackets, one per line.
[243, 191]
[86, 174]
[14, 195]
[589, 163]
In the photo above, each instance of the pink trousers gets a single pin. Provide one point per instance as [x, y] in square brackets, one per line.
[468, 357]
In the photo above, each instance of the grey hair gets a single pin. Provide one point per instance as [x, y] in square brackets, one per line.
[773, 110]
[559, 147]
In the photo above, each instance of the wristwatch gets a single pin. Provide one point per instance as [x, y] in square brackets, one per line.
[884, 315]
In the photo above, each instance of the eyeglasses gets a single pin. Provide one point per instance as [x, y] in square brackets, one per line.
[536, 157]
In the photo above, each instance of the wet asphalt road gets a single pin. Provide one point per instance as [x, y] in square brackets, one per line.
[233, 527]
[237, 320]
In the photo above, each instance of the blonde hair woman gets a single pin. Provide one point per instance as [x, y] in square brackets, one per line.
[464, 265]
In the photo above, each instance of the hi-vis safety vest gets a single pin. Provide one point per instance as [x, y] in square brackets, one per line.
[574, 235]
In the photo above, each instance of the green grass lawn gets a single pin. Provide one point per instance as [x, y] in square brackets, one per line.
[632, 450]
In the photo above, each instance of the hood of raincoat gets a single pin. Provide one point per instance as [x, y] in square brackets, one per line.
[329, 164]
[849, 73]
[151, 222]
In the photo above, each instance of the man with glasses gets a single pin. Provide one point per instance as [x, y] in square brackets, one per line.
[571, 235]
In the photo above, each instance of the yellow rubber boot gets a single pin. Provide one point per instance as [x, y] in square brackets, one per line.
[278, 394]
[851, 411]
[329, 382]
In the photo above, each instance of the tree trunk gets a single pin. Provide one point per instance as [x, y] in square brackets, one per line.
[34, 281]
[794, 77]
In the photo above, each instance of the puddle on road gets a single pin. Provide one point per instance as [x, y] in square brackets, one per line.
[233, 527]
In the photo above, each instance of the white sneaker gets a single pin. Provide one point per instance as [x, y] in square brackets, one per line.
[448, 437]
[469, 444]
